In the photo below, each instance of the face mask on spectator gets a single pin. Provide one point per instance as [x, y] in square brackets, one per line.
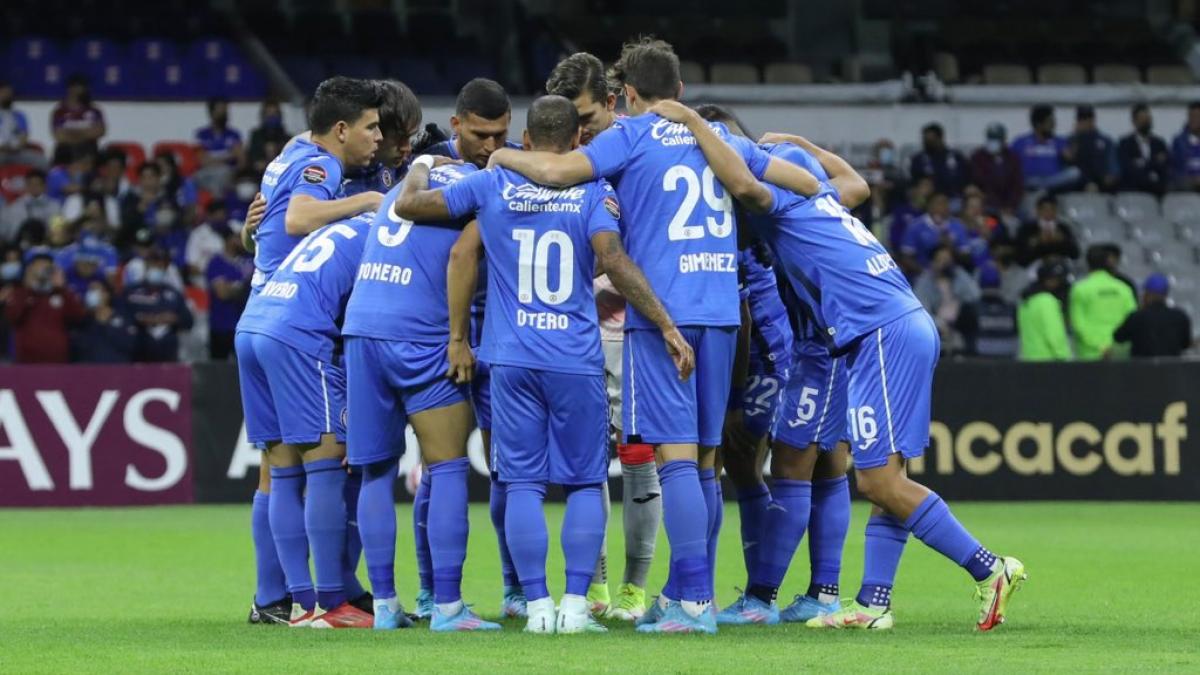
[93, 298]
[887, 156]
[273, 121]
[164, 219]
[1144, 129]
[246, 191]
[155, 276]
[994, 146]
[10, 271]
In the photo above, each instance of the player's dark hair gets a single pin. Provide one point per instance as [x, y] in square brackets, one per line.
[552, 122]
[35, 173]
[715, 113]
[1040, 113]
[482, 97]
[342, 99]
[579, 73]
[650, 66]
[400, 111]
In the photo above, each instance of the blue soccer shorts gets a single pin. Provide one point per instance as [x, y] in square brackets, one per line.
[764, 391]
[658, 407]
[388, 381]
[814, 400]
[288, 395]
[549, 427]
[481, 395]
[890, 389]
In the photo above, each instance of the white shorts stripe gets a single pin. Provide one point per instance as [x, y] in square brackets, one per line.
[828, 399]
[887, 402]
[325, 393]
[632, 390]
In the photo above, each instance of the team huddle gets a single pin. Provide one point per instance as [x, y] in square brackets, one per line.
[659, 277]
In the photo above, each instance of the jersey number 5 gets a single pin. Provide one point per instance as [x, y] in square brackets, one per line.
[533, 266]
[704, 185]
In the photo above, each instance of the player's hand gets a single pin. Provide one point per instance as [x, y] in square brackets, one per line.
[371, 200]
[776, 137]
[255, 213]
[462, 362]
[681, 352]
[673, 111]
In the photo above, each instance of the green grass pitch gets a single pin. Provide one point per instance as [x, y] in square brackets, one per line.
[165, 590]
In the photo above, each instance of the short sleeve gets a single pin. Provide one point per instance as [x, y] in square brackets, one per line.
[605, 212]
[467, 195]
[755, 157]
[609, 151]
[319, 177]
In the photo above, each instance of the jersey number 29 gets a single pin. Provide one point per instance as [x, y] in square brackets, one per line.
[704, 185]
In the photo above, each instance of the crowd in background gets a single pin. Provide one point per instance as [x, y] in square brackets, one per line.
[106, 257]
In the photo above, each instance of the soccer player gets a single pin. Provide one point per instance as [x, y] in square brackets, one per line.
[864, 307]
[301, 190]
[396, 363]
[581, 78]
[399, 120]
[543, 344]
[293, 393]
[662, 177]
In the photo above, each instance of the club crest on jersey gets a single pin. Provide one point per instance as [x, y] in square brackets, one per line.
[613, 208]
[314, 174]
[385, 176]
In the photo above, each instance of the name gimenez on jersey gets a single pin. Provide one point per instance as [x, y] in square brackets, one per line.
[708, 262]
[385, 273]
[530, 198]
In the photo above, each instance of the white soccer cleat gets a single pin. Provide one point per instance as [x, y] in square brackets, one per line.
[542, 617]
[574, 616]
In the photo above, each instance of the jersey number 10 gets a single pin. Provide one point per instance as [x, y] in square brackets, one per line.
[533, 266]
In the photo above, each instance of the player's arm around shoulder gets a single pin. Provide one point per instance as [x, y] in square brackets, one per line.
[852, 188]
[462, 277]
[545, 168]
[416, 201]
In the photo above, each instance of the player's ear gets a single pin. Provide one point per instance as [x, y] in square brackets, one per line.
[525, 142]
[455, 123]
[679, 92]
[340, 130]
[631, 95]
[610, 103]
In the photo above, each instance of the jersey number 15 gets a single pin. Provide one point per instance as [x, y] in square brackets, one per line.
[317, 248]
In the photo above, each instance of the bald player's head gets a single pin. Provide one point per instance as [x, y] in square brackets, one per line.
[552, 124]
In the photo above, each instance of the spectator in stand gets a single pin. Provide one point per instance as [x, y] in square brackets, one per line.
[78, 125]
[946, 166]
[1045, 158]
[207, 239]
[141, 204]
[1113, 253]
[1157, 329]
[887, 183]
[104, 188]
[268, 139]
[70, 174]
[1040, 322]
[1046, 236]
[14, 133]
[1099, 304]
[948, 292]
[220, 149]
[909, 211]
[158, 310]
[31, 235]
[171, 235]
[935, 229]
[182, 190]
[107, 335]
[1185, 151]
[35, 204]
[982, 230]
[996, 169]
[237, 200]
[1095, 153]
[1142, 157]
[134, 271]
[40, 311]
[10, 278]
[83, 266]
[228, 275]
[995, 316]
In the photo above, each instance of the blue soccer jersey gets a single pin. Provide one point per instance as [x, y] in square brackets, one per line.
[303, 168]
[400, 292]
[541, 310]
[679, 222]
[798, 156]
[771, 333]
[375, 177]
[303, 303]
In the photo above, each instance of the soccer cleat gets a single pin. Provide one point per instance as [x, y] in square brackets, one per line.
[464, 620]
[855, 615]
[599, 600]
[993, 592]
[676, 620]
[386, 619]
[748, 609]
[424, 604]
[277, 613]
[300, 617]
[365, 602]
[344, 615]
[513, 604]
[542, 617]
[806, 607]
[654, 611]
[630, 604]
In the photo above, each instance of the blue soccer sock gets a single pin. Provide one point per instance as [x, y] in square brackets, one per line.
[421, 532]
[752, 506]
[886, 537]
[787, 519]
[325, 522]
[270, 584]
[353, 550]
[497, 502]
[710, 485]
[377, 525]
[683, 500]
[287, 527]
[582, 535]
[448, 527]
[527, 539]
[934, 525]
[827, 528]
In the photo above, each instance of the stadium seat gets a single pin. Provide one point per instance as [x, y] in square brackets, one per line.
[691, 71]
[31, 50]
[235, 80]
[213, 50]
[153, 50]
[44, 79]
[1061, 73]
[306, 70]
[1181, 207]
[117, 79]
[458, 71]
[1135, 207]
[1101, 229]
[91, 53]
[787, 73]
[1006, 73]
[184, 153]
[733, 73]
[1082, 207]
[1116, 73]
[134, 153]
[172, 80]
[1169, 75]
[12, 181]
[419, 74]
[354, 66]
[1151, 232]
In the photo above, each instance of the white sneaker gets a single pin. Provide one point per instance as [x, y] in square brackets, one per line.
[574, 616]
[542, 616]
